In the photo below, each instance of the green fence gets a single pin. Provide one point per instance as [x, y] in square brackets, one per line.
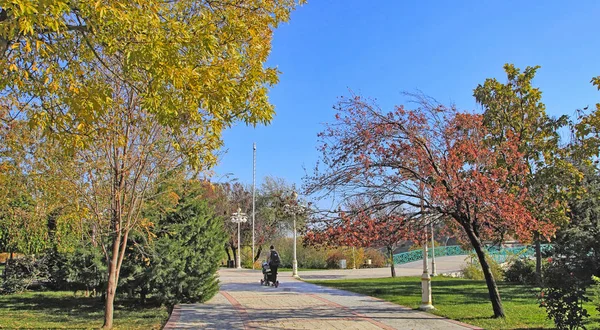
[500, 254]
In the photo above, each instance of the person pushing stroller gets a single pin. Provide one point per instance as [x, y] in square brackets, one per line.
[270, 268]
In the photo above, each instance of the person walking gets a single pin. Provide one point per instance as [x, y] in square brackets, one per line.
[274, 262]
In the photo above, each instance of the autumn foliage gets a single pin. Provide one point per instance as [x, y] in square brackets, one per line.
[434, 153]
[362, 228]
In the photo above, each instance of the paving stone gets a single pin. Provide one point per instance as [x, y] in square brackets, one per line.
[242, 303]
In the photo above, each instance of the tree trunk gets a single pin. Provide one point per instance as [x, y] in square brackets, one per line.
[257, 256]
[487, 273]
[117, 236]
[143, 296]
[111, 288]
[538, 259]
[392, 266]
[227, 251]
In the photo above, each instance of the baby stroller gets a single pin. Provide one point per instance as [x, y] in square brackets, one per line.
[268, 278]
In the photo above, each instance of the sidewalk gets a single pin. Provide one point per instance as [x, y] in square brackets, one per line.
[443, 265]
[243, 303]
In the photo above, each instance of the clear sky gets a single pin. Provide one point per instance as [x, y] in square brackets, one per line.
[382, 48]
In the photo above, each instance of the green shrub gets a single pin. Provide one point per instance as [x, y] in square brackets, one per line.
[86, 270]
[307, 256]
[563, 296]
[57, 270]
[595, 289]
[186, 254]
[333, 259]
[573, 258]
[324, 257]
[473, 269]
[82, 269]
[246, 254]
[521, 271]
[310, 257]
[22, 273]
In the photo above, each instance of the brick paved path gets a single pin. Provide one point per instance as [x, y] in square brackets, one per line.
[243, 303]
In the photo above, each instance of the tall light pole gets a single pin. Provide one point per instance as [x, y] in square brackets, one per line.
[293, 208]
[433, 272]
[239, 217]
[253, 196]
[425, 278]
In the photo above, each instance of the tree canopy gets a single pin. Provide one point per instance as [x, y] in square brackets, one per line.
[130, 89]
[435, 154]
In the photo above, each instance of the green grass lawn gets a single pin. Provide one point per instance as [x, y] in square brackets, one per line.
[463, 300]
[61, 310]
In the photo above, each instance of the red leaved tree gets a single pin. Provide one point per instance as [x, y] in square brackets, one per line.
[362, 228]
[435, 154]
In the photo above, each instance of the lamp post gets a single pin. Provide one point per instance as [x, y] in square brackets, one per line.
[294, 209]
[239, 217]
[253, 196]
[433, 272]
[425, 278]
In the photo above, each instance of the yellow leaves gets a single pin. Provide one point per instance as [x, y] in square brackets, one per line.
[121, 141]
[173, 197]
[147, 226]
[73, 89]
[194, 69]
[596, 82]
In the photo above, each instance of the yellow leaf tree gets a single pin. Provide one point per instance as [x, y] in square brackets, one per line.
[123, 86]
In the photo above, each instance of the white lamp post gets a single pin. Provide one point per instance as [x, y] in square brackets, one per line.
[239, 217]
[433, 272]
[425, 278]
[294, 209]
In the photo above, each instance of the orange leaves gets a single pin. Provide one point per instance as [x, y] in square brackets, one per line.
[387, 155]
[360, 229]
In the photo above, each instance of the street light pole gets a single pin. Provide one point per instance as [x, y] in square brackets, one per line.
[295, 261]
[239, 217]
[294, 209]
[253, 196]
[433, 272]
[425, 278]
[239, 259]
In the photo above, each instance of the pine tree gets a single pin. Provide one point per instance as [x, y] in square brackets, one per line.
[188, 249]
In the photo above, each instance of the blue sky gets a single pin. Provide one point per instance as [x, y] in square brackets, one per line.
[381, 48]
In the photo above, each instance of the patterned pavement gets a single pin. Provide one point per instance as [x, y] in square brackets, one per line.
[243, 303]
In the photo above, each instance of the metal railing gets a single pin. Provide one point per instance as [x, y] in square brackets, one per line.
[499, 254]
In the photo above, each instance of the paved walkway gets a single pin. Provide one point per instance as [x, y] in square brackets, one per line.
[243, 303]
[443, 265]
